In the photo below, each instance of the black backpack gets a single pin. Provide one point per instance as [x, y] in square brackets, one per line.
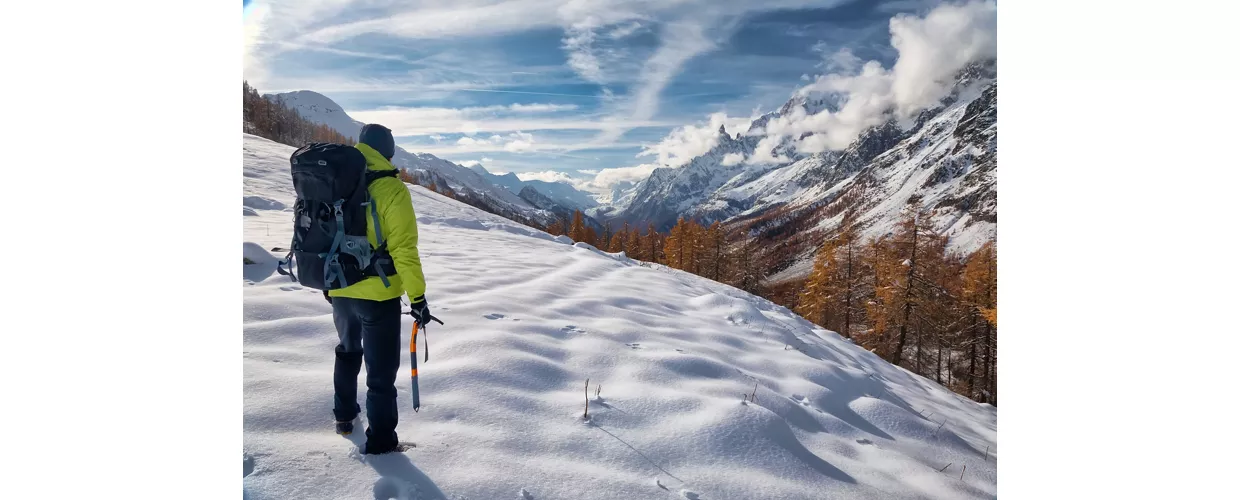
[329, 248]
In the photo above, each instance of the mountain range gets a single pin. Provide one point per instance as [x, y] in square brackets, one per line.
[942, 161]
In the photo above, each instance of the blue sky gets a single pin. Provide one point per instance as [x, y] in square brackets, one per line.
[546, 86]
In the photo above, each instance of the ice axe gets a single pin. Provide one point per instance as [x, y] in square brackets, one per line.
[413, 359]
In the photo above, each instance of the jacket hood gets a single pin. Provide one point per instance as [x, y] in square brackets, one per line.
[374, 160]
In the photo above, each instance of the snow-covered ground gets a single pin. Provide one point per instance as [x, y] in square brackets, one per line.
[530, 318]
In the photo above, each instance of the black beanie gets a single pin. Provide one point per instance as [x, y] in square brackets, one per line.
[380, 138]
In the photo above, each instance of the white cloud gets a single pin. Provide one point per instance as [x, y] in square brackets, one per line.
[731, 159]
[536, 108]
[426, 120]
[483, 145]
[579, 44]
[483, 161]
[931, 51]
[600, 181]
[843, 60]
[593, 42]
[867, 104]
[764, 152]
[679, 44]
[934, 48]
[436, 137]
[518, 146]
[687, 142]
[518, 142]
[609, 177]
[333, 84]
[458, 20]
[254, 68]
[548, 176]
[588, 171]
[589, 185]
[624, 31]
[515, 142]
[685, 29]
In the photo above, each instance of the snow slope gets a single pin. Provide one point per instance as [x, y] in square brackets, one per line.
[529, 318]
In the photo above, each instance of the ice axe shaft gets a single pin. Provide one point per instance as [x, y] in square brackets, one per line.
[413, 359]
[413, 371]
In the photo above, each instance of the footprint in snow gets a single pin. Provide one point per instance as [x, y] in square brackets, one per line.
[864, 441]
[691, 495]
[494, 316]
[525, 495]
[248, 465]
[572, 329]
[290, 288]
[634, 345]
[389, 488]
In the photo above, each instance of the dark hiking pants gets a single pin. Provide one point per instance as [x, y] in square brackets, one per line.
[376, 327]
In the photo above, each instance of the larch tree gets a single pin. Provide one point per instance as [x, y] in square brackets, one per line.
[979, 291]
[715, 243]
[650, 244]
[674, 245]
[617, 243]
[577, 231]
[814, 302]
[632, 244]
[591, 237]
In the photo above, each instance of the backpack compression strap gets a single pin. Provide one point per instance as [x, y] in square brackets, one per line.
[288, 259]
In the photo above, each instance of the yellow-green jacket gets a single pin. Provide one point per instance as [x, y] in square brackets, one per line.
[400, 229]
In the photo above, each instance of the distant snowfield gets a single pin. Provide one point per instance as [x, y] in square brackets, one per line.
[529, 319]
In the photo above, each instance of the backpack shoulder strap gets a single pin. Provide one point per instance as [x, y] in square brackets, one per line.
[382, 258]
[371, 177]
[374, 175]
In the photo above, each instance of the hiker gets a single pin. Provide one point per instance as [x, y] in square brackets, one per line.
[367, 313]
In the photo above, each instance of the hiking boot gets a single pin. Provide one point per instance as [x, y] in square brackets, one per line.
[344, 428]
[367, 449]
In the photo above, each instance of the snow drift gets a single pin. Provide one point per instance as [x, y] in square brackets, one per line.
[529, 318]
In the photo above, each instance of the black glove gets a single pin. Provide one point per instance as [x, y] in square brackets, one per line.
[420, 311]
[328, 297]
